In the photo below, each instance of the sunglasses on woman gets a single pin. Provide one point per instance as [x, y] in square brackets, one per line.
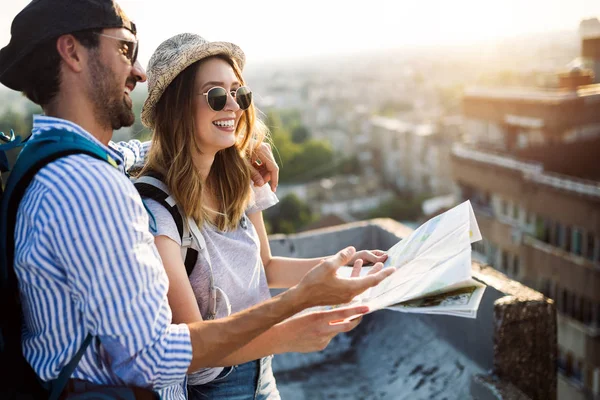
[216, 97]
[128, 48]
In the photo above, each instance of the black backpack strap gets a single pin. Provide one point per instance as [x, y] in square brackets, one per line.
[149, 190]
[151, 187]
[190, 260]
[58, 385]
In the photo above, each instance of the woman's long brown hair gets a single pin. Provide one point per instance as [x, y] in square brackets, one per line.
[173, 144]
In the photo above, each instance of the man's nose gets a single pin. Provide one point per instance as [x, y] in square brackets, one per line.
[138, 72]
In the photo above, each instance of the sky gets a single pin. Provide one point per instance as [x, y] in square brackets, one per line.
[270, 30]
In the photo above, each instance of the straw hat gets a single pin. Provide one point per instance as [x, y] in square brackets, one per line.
[172, 57]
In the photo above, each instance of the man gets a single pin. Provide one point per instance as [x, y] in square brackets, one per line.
[84, 257]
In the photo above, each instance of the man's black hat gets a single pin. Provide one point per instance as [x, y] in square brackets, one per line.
[43, 20]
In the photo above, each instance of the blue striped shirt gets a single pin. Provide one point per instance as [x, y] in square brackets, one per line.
[87, 263]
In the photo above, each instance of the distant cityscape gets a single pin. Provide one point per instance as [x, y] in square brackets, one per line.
[514, 127]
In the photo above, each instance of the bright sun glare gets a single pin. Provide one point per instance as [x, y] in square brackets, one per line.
[273, 29]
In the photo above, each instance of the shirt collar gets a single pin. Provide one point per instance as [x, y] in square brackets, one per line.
[42, 123]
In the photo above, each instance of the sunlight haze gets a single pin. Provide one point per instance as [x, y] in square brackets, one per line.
[279, 30]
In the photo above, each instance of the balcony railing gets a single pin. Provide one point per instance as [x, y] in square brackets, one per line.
[496, 159]
[533, 172]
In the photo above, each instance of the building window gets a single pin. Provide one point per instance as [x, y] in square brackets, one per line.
[567, 239]
[503, 261]
[556, 234]
[577, 371]
[568, 364]
[492, 254]
[559, 235]
[577, 245]
[590, 246]
[503, 207]
[516, 266]
[562, 361]
[545, 287]
[543, 229]
[576, 307]
[586, 311]
[531, 219]
[564, 299]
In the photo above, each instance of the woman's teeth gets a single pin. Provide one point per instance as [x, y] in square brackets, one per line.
[226, 124]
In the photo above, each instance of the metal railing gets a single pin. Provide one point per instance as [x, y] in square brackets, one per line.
[532, 171]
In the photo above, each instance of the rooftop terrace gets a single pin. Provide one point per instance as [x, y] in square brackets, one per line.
[507, 352]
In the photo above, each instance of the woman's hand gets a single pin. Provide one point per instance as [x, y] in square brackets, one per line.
[369, 256]
[265, 169]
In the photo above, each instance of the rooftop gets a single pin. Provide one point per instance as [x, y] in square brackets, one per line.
[535, 94]
[507, 352]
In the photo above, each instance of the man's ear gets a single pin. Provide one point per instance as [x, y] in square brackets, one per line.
[71, 52]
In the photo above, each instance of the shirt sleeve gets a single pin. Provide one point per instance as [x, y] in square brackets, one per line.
[134, 152]
[262, 198]
[161, 221]
[116, 276]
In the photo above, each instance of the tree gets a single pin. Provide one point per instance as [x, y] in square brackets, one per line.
[299, 160]
[313, 160]
[349, 166]
[20, 123]
[289, 215]
[399, 208]
[300, 134]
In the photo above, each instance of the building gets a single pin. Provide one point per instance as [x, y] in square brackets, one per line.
[411, 157]
[531, 168]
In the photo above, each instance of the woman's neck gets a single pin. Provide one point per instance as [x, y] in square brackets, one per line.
[203, 163]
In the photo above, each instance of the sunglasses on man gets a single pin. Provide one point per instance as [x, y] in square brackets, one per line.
[216, 97]
[129, 48]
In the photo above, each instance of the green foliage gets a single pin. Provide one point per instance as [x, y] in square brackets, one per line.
[349, 166]
[18, 122]
[391, 108]
[400, 209]
[300, 158]
[300, 134]
[289, 215]
[138, 130]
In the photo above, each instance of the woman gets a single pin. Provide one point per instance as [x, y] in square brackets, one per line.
[204, 125]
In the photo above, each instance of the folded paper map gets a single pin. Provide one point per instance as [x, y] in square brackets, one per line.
[433, 273]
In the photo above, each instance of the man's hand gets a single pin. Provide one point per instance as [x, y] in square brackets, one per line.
[321, 285]
[265, 169]
[313, 332]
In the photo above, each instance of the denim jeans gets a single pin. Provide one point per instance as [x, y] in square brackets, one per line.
[253, 380]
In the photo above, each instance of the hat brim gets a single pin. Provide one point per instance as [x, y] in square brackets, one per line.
[162, 72]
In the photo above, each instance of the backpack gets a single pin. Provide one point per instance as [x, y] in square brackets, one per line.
[17, 379]
[151, 186]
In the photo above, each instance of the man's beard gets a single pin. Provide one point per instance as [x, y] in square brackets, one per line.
[108, 97]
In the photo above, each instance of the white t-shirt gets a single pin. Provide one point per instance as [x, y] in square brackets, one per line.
[235, 258]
